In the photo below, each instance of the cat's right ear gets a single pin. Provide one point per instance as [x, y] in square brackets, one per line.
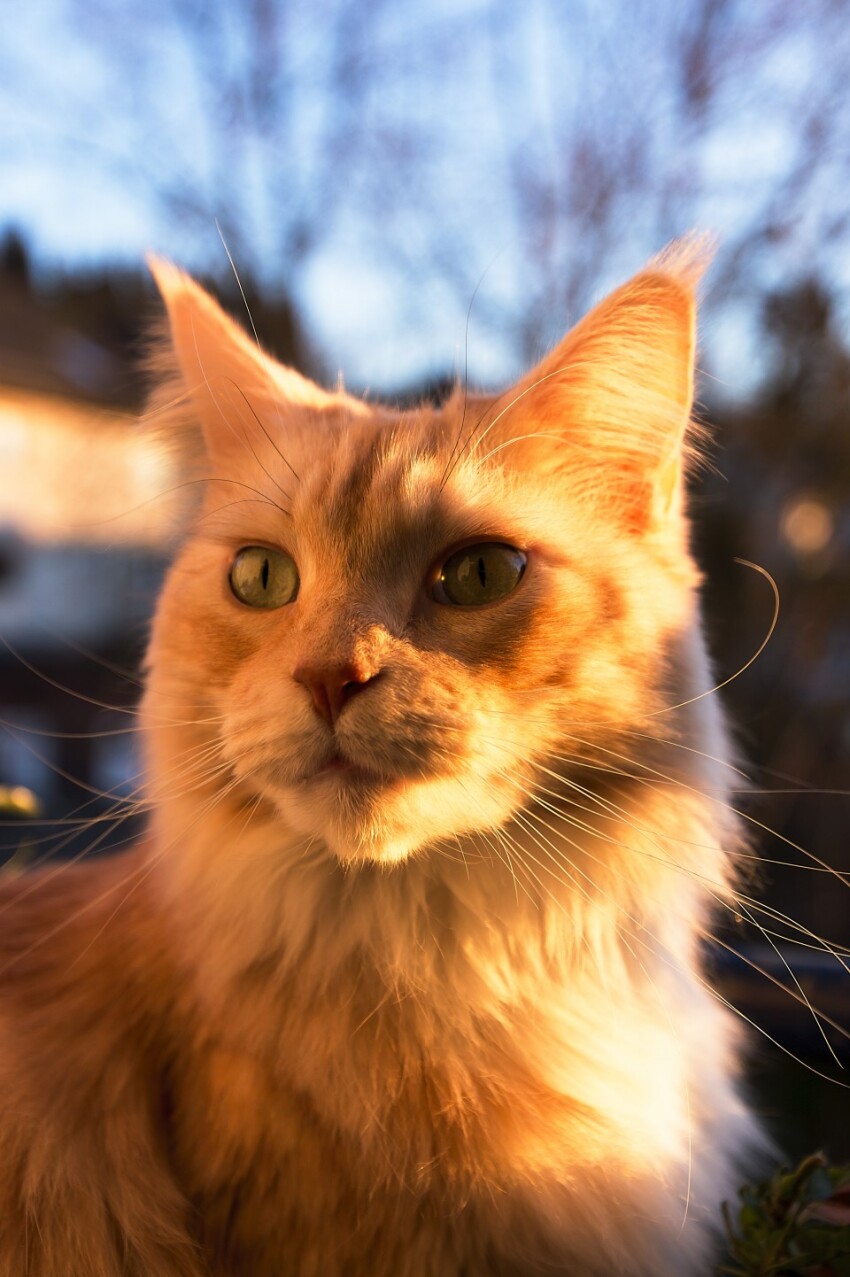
[238, 395]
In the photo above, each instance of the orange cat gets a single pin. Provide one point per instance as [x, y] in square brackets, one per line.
[404, 980]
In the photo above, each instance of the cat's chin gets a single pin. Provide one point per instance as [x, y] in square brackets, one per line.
[363, 817]
[358, 815]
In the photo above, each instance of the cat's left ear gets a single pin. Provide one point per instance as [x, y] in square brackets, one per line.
[616, 394]
[240, 395]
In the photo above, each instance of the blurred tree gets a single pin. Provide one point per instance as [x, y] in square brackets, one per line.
[618, 127]
[535, 153]
[14, 259]
[781, 495]
[257, 114]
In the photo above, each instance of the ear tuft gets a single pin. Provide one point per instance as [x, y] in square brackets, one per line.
[167, 277]
[686, 259]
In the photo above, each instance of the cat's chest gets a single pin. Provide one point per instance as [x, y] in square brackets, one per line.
[367, 1124]
[413, 1094]
[280, 1186]
[383, 1095]
[384, 1118]
[425, 1183]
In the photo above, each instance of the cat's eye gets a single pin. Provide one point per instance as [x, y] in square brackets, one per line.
[263, 578]
[480, 574]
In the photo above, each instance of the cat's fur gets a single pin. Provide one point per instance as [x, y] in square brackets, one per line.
[449, 1021]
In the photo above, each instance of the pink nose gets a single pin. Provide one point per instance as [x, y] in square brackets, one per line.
[331, 687]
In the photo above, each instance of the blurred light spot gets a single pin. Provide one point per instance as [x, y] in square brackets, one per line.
[17, 800]
[24, 800]
[807, 525]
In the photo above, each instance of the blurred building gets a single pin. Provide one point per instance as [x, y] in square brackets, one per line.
[74, 339]
[84, 526]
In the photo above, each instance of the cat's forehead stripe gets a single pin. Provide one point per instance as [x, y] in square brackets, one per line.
[379, 494]
[351, 488]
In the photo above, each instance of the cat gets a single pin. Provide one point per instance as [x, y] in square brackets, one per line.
[405, 978]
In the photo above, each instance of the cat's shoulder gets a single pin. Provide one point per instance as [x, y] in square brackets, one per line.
[84, 1045]
[58, 912]
[79, 956]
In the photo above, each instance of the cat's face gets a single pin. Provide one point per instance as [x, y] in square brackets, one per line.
[391, 625]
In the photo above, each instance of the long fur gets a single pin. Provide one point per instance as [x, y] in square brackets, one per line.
[417, 993]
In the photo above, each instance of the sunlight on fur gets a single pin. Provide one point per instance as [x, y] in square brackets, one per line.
[404, 980]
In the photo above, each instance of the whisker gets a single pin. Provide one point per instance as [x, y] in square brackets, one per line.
[755, 656]
[148, 867]
[260, 349]
[59, 687]
[746, 816]
[797, 993]
[449, 463]
[710, 988]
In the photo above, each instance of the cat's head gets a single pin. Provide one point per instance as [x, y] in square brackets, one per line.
[392, 626]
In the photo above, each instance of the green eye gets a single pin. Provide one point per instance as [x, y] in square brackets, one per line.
[480, 574]
[263, 578]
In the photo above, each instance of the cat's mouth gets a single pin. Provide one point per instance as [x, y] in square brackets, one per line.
[337, 767]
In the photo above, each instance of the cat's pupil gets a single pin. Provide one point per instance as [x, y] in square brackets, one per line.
[482, 571]
[265, 574]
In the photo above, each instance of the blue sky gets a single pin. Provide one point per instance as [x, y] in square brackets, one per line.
[470, 135]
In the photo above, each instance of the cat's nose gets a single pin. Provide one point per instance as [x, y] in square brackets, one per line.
[331, 687]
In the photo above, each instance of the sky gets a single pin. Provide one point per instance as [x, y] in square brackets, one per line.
[437, 186]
